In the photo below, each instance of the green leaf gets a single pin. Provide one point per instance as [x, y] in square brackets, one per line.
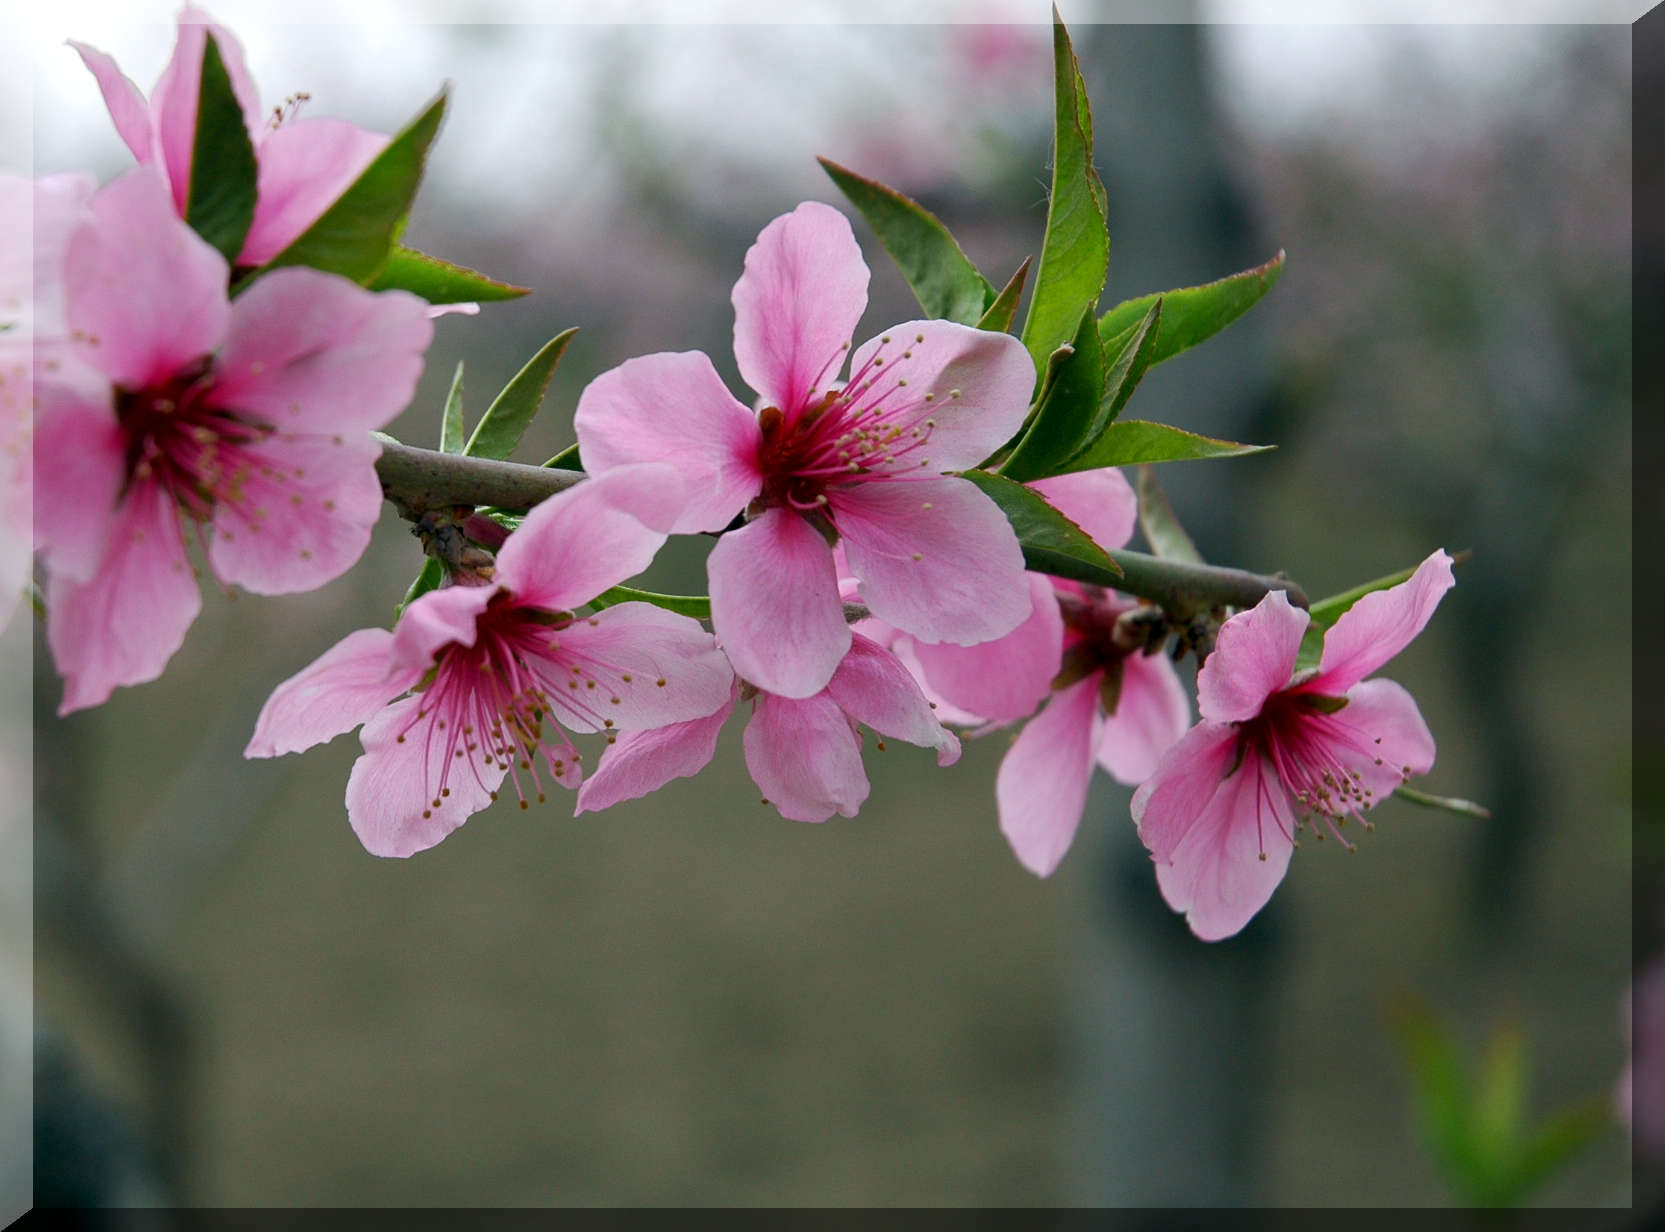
[1127, 370]
[1068, 406]
[440, 282]
[507, 418]
[1440, 1089]
[1051, 542]
[219, 204]
[433, 573]
[1003, 311]
[1499, 1099]
[1556, 1141]
[1075, 255]
[567, 459]
[1191, 314]
[697, 606]
[1131, 441]
[1164, 534]
[356, 234]
[943, 278]
[452, 427]
[1450, 804]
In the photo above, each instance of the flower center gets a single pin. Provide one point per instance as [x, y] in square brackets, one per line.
[201, 455]
[1321, 755]
[875, 427]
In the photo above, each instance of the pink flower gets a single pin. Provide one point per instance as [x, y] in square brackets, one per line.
[859, 459]
[1220, 812]
[252, 418]
[303, 164]
[500, 674]
[1110, 703]
[804, 754]
[1640, 1097]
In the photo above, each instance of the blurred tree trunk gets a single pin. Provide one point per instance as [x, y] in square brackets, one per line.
[1171, 1032]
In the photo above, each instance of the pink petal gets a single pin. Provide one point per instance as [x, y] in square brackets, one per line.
[1042, 785]
[1007, 677]
[339, 690]
[307, 351]
[1254, 657]
[391, 791]
[1186, 778]
[967, 584]
[1381, 722]
[905, 649]
[875, 690]
[805, 758]
[1380, 625]
[123, 625]
[305, 165]
[640, 762]
[1234, 856]
[1100, 502]
[80, 464]
[978, 384]
[590, 537]
[145, 291]
[126, 103]
[648, 667]
[775, 604]
[1152, 714]
[303, 515]
[431, 622]
[674, 408]
[797, 304]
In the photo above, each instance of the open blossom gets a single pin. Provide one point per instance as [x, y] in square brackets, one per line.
[498, 675]
[1275, 749]
[1083, 654]
[304, 164]
[175, 407]
[804, 754]
[859, 459]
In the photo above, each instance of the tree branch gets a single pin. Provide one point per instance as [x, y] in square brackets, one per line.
[417, 480]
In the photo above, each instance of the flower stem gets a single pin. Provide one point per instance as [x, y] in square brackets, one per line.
[416, 480]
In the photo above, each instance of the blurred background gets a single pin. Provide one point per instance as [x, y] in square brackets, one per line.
[687, 999]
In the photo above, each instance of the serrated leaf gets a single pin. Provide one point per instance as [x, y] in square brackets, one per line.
[432, 574]
[1191, 314]
[1068, 405]
[1075, 255]
[1163, 532]
[452, 428]
[1127, 370]
[1003, 311]
[439, 281]
[355, 236]
[507, 418]
[567, 459]
[1051, 542]
[942, 277]
[1129, 442]
[697, 606]
[219, 203]
[1449, 804]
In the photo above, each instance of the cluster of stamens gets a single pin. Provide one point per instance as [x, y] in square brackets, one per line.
[503, 699]
[876, 426]
[1308, 739]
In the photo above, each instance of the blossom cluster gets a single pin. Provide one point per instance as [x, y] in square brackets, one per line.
[212, 392]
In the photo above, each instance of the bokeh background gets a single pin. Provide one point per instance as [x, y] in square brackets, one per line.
[688, 1000]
